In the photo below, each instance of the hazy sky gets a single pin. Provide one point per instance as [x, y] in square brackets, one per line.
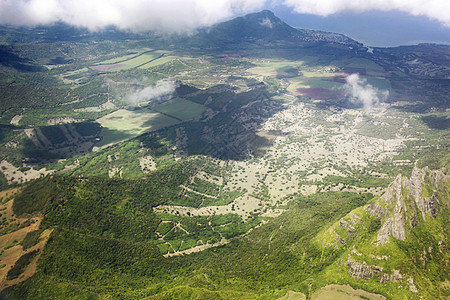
[373, 28]
[353, 17]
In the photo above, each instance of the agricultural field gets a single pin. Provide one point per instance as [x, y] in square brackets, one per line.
[180, 109]
[131, 61]
[274, 67]
[215, 167]
[126, 124]
[337, 292]
[161, 60]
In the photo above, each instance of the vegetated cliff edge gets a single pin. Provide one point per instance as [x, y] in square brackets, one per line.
[397, 245]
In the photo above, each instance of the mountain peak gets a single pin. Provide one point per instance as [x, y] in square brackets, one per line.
[264, 18]
[264, 13]
[265, 28]
[263, 25]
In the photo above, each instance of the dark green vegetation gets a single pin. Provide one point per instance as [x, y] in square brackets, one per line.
[103, 232]
[307, 247]
[31, 239]
[21, 264]
[204, 190]
[34, 201]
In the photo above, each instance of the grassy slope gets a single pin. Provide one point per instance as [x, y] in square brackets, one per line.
[422, 257]
[89, 255]
[124, 260]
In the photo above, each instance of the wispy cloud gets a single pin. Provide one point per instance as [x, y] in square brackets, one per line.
[163, 88]
[433, 9]
[364, 93]
[266, 23]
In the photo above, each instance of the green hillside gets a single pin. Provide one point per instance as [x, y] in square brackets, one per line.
[105, 242]
[247, 160]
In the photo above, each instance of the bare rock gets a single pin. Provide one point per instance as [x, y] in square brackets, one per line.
[393, 226]
[347, 226]
[396, 276]
[412, 287]
[375, 209]
[384, 278]
[354, 219]
[436, 181]
[362, 270]
[408, 195]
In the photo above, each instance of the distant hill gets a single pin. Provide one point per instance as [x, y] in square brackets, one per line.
[263, 25]
[266, 29]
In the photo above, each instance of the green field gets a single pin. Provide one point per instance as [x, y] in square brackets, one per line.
[181, 109]
[311, 74]
[314, 83]
[129, 61]
[118, 59]
[358, 63]
[125, 124]
[140, 60]
[378, 82]
[272, 68]
[157, 62]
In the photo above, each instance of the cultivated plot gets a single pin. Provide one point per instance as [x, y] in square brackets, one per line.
[180, 109]
[125, 124]
[128, 61]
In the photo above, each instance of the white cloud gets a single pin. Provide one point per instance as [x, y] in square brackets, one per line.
[433, 9]
[363, 93]
[161, 89]
[266, 23]
[161, 15]
[186, 15]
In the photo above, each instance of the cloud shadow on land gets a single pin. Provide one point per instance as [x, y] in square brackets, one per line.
[48, 144]
[228, 129]
[437, 122]
[9, 59]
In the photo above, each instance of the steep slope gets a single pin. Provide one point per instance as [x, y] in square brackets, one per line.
[264, 28]
[398, 244]
[263, 25]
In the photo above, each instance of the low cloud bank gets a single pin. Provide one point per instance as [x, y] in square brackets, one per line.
[187, 15]
[364, 93]
[136, 15]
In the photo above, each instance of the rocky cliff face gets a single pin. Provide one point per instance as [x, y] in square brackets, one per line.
[407, 199]
[401, 238]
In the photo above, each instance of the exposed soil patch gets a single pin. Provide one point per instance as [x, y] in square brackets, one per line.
[11, 242]
[343, 292]
[13, 174]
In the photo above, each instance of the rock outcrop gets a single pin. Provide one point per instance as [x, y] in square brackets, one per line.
[362, 270]
[405, 200]
[399, 240]
[406, 203]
